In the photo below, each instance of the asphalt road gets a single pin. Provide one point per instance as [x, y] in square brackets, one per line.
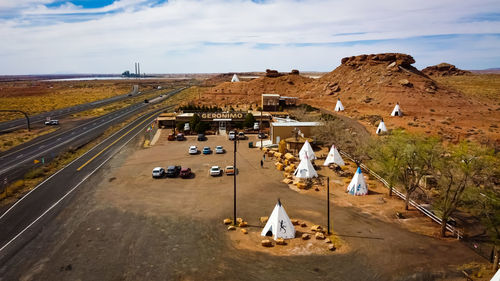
[15, 163]
[23, 220]
[21, 123]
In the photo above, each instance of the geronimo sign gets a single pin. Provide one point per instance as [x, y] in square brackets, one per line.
[209, 116]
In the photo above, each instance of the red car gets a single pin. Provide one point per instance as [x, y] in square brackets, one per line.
[185, 173]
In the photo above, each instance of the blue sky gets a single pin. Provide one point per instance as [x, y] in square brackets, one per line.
[179, 36]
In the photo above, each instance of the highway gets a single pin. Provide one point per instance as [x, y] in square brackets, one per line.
[23, 220]
[15, 163]
[21, 122]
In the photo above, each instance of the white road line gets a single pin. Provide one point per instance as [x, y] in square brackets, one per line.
[19, 156]
[1, 216]
[68, 193]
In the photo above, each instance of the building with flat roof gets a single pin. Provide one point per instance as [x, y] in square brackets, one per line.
[286, 128]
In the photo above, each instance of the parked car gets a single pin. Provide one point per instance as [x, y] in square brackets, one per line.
[173, 171]
[256, 126]
[180, 137]
[262, 136]
[52, 122]
[201, 137]
[232, 135]
[215, 171]
[193, 150]
[207, 150]
[230, 170]
[219, 149]
[185, 173]
[158, 172]
[241, 136]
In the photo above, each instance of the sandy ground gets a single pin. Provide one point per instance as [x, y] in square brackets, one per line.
[124, 225]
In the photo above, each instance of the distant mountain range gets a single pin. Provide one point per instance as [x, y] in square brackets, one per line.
[495, 70]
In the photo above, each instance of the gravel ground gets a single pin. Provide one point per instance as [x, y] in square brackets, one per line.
[124, 225]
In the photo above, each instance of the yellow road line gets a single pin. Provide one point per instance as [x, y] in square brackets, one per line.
[100, 152]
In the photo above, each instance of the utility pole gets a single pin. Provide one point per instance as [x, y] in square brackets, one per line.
[235, 172]
[328, 203]
[260, 128]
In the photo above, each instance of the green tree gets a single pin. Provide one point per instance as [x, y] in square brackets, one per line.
[194, 121]
[461, 169]
[405, 159]
[126, 73]
[249, 120]
[201, 127]
[180, 127]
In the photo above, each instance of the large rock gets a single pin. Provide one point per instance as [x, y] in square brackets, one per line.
[320, 236]
[399, 59]
[231, 227]
[280, 241]
[266, 243]
[306, 236]
[331, 247]
[405, 83]
[272, 73]
[444, 69]
[244, 231]
[316, 228]
[228, 221]
[294, 221]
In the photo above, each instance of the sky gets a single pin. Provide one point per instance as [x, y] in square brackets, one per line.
[198, 36]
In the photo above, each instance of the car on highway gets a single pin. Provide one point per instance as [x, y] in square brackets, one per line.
[52, 122]
[262, 136]
[185, 173]
[158, 172]
[232, 135]
[229, 170]
[219, 149]
[193, 150]
[241, 136]
[173, 171]
[180, 137]
[215, 171]
[201, 137]
[207, 150]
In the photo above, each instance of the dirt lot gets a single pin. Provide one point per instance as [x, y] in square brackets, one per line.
[124, 225]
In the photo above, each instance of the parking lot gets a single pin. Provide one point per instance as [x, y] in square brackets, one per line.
[125, 225]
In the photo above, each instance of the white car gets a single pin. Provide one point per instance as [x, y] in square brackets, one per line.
[52, 122]
[219, 149]
[193, 150]
[215, 171]
[232, 135]
[158, 172]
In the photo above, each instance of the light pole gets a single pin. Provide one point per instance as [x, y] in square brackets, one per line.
[234, 189]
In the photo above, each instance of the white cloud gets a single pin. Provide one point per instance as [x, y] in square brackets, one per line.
[172, 37]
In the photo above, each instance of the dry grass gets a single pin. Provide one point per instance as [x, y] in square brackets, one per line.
[60, 95]
[17, 189]
[477, 85]
[12, 139]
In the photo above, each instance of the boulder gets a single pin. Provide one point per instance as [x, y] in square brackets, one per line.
[280, 241]
[295, 72]
[266, 243]
[405, 83]
[239, 220]
[244, 231]
[228, 221]
[264, 219]
[316, 228]
[231, 227]
[301, 185]
[306, 236]
[243, 224]
[331, 247]
[327, 240]
[320, 236]
[303, 224]
[294, 221]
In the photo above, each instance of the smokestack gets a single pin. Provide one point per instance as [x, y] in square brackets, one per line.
[139, 69]
[135, 65]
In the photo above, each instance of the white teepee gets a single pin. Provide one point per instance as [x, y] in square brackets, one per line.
[397, 111]
[339, 106]
[358, 184]
[305, 170]
[334, 157]
[235, 78]
[279, 224]
[307, 152]
[381, 127]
